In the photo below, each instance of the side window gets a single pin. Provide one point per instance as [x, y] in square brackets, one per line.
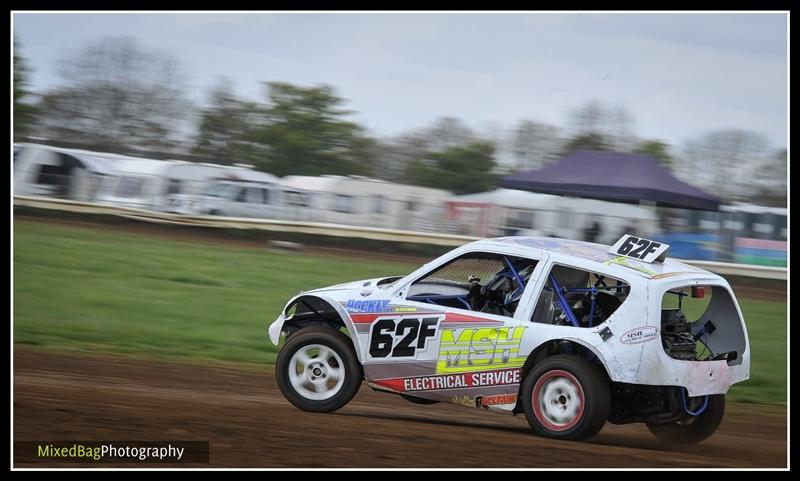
[174, 186]
[255, 195]
[298, 199]
[577, 297]
[764, 226]
[265, 193]
[49, 175]
[241, 195]
[343, 203]
[378, 202]
[477, 281]
[522, 219]
[780, 227]
[129, 186]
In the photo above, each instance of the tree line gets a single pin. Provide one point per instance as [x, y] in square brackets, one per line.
[117, 95]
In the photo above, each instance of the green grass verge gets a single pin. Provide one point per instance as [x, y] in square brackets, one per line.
[101, 290]
[98, 290]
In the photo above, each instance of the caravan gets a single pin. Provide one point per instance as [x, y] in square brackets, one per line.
[42, 170]
[517, 212]
[363, 201]
[242, 192]
[161, 185]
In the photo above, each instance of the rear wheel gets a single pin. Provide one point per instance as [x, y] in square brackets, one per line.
[692, 429]
[566, 397]
[318, 370]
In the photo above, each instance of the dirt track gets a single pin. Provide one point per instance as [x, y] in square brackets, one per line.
[249, 424]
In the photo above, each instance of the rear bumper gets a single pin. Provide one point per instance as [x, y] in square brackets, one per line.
[698, 377]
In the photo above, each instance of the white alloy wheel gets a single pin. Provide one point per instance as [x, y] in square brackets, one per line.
[560, 400]
[316, 372]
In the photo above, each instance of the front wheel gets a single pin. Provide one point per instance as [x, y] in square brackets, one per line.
[318, 370]
[692, 429]
[566, 397]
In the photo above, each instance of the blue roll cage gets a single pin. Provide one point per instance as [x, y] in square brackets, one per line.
[512, 272]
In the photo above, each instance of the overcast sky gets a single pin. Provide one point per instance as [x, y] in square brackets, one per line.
[680, 75]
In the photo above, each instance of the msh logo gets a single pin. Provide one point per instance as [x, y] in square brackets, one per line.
[479, 349]
[639, 335]
[367, 306]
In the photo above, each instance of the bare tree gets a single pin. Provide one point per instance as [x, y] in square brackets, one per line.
[24, 111]
[394, 155]
[769, 179]
[722, 162]
[588, 118]
[445, 133]
[224, 125]
[535, 145]
[116, 95]
[611, 124]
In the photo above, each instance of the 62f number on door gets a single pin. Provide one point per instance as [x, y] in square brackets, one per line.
[401, 337]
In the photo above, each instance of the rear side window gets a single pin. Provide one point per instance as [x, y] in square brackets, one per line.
[579, 298]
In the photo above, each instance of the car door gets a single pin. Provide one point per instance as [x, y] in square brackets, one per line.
[434, 344]
[271, 206]
[254, 202]
[235, 202]
[265, 209]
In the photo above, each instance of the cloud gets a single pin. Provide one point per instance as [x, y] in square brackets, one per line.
[675, 73]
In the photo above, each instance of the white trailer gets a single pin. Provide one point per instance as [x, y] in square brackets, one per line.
[516, 212]
[162, 185]
[43, 170]
[244, 193]
[363, 201]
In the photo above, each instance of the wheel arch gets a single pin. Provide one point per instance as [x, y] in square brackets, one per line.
[554, 347]
[313, 309]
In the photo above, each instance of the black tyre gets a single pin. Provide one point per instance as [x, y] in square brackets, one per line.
[318, 370]
[692, 429]
[566, 397]
[418, 400]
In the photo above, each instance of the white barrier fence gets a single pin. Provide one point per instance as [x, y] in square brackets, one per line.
[335, 230]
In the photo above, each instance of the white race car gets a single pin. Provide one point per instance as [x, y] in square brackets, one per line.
[572, 334]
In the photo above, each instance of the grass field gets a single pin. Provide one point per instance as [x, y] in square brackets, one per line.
[99, 290]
